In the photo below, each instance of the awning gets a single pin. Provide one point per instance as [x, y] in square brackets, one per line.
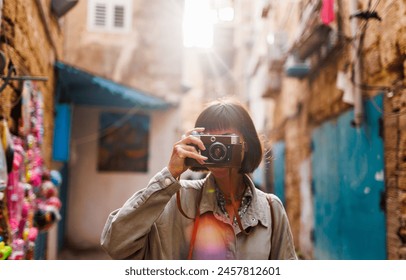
[80, 87]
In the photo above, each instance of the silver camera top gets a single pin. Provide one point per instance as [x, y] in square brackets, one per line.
[232, 139]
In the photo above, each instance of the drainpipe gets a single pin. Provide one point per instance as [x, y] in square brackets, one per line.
[47, 28]
[356, 56]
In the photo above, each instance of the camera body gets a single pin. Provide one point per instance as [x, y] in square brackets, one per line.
[221, 151]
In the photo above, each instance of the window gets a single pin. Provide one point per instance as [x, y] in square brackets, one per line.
[109, 15]
[123, 142]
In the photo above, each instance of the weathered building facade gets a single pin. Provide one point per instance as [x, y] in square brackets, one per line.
[123, 59]
[136, 43]
[336, 123]
[31, 41]
[324, 81]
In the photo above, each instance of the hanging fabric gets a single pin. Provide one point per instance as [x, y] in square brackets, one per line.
[327, 12]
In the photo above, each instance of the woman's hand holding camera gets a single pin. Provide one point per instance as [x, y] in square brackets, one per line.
[186, 148]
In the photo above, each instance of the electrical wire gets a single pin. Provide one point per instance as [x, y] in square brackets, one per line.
[107, 130]
[361, 31]
[379, 110]
[394, 89]
[365, 22]
[78, 141]
[364, 87]
[376, 5]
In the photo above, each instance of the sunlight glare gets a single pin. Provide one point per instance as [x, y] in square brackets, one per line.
[226, 14]
[270, 38]
[198, 23]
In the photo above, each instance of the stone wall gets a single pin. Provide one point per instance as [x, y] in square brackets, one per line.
[395, 174]
[31, 38]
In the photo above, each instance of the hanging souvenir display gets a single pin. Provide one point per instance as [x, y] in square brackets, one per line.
[31, 195]
[5, 251]
[4, 225]
[7, 143]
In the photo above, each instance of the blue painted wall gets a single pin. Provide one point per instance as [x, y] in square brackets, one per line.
[348, 166]
[326, 186]
[278, 162]
[62, 130]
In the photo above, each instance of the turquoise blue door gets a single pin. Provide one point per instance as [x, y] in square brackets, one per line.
[348, 185]
[278, 175]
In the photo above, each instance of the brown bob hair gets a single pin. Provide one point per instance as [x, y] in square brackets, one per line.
[228, 113]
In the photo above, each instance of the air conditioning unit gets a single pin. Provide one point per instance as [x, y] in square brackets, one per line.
[294, 67]
[318, 37]
[274, 79]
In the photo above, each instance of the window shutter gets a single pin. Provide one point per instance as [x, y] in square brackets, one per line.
[100, 15]
[119, 16]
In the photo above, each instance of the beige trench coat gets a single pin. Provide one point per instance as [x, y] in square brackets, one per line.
[150, 226]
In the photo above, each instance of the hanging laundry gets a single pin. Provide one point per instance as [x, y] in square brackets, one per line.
[327, 11]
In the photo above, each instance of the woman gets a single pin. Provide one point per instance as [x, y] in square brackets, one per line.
[222, 216]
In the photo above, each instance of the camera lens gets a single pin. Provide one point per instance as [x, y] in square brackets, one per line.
[217, 151]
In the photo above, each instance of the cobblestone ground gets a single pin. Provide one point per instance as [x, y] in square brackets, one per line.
[89, 254]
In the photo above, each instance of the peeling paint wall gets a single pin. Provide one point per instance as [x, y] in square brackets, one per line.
[303, 104]
[306, 211]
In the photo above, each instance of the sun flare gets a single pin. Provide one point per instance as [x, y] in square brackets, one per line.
[200, 18]
[198, 23]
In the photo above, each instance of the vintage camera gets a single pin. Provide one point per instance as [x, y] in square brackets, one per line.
[221, 151]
